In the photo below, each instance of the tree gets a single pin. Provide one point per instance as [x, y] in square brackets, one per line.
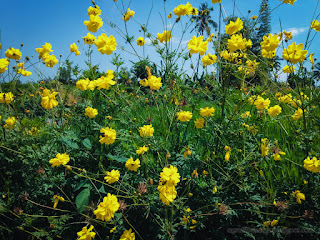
[203, 21]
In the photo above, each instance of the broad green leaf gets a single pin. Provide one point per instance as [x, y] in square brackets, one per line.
[82, 200]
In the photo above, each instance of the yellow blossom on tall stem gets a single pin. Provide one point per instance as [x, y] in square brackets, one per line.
[297, 114]
[197, 45]
[299, 196]
[294, 53]
[49, 101]
[264, 147]
[170, 176]
[6, 97]
[129, 14]
[146, 131]
[10, 122]
[89, 39]
[288, 1]
[50, 60]
[140, 41]
[315, 24]
[3, 64]
[74, 49]
[112, 176]
[184, 116]
[207, 112]
[94, 10]
[200, 123]
[228, 152]
[91, 112]
[104, 82]
[13, 53]
[142, 150]
[56, 200]
[107, 208]
[128, 235]
[209, 59]
[105, 44]
[312, 165]
[107, 136]
[86, 234]
[274, 111]
[234, 27]
[167, 193]
[154, 82]
[94, 24]
[288, 69]
[60, 159]
[165, 36]
[133, 165]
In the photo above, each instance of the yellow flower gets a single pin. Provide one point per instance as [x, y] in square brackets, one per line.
[197, 45]
[105, 44]
[270, 42]
[315, 24]
[165, 36]
[82, 84]
[207, 112]
[264, 147]
[288, 35]
[209, 59]
[24, 72]
[184, 116]
[60, 159]
[94, 10]
[56, 200]
[274, 111]
[268, 54]
[294, 53]
[185, 9]
[112, 176]
[297, 114]
[170, 176]
[13, 54]
[271, 223]
[133, 165]
[113, 229]
[129, 14]
[74, 49]
[140, 41]
[89, 39]
[205, 173]
[185, 219]
[228, 152]
[245, 114]
[277, 156]
[91, 112]
[142, 150]
[167, 193]
[254, 17]
[288, 69]
[214, 190]
[3, 64]
[49, 101]
[10, 122]
[107, 136]
[146, 131]
[107, 208]
[50, 60]
[86, 234]
[46, 48]
[200, 123]
[128, 235]
[312, 165]
[237, 42]
[104, 82]
[299, 196]
[234, 27]
[262, 103]
[170, 15]
[6, 97]
[144, 82]
[216, 1]
[94, 24]
[154, 82]
[289, 1]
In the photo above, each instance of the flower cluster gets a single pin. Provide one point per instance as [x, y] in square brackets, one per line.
[74, 49]
[146, 131]
[209, 59]
[129, 14]
[13, 53]
[91, 112]
[10, 123]
[234, 27]
[49, 99]
[312, 165]
[104, 82]
[89, 39]
[133, 165]
[22, 70]
[315, 24]
[6, 97]
[294, 53]
[86, 234]
[184, 116]
[237, 42]
[105, 44]
[95, 20]
[112, 176]
[165, 36]
[274, 111]
[169, 178]
[44, 54]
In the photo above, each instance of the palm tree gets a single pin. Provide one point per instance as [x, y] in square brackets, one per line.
[203, 20]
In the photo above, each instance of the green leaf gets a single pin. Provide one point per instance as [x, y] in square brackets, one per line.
[117, 158]
[70, 143]
[86, 143]
[82, 200]
[102, 190]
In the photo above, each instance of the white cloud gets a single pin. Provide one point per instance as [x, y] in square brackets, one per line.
[296, 31]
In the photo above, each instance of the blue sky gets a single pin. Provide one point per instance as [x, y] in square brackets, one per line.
[61, 23]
